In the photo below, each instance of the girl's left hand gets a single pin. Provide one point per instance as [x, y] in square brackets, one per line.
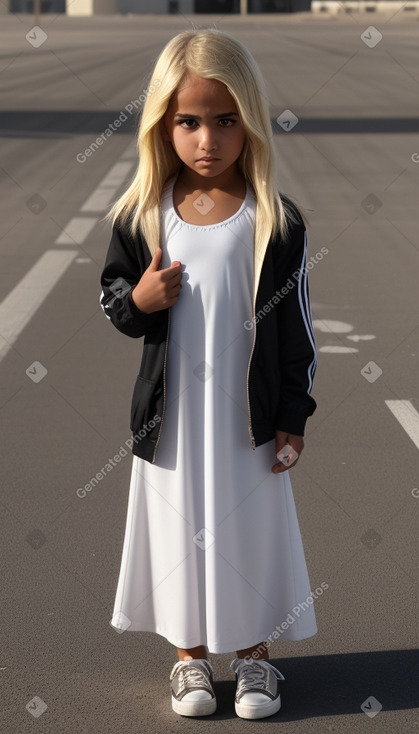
[291, 447]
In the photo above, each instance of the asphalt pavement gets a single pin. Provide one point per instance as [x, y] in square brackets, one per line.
[352, 163]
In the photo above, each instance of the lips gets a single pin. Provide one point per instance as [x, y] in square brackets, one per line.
[208, 159]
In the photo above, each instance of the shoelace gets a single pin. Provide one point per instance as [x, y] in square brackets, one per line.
[252, 677]
[190, 674]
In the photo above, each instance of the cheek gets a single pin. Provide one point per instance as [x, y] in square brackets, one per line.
[181, 140]
[240, 138]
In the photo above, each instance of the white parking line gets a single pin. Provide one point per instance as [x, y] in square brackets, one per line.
[407, 416]
[116, 175]
[101, 197]
[337, 349]
[76, 231]
[20, 305]
[22, 302]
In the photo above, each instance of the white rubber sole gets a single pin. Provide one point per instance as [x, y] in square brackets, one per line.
[194, 708]
[258, 711]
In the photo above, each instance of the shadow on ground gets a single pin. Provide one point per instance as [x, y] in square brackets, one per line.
[334, 685]
[63, 123]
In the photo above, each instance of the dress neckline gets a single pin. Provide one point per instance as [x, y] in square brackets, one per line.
[207, 226]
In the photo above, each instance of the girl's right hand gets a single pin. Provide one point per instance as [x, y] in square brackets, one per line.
[158, 289]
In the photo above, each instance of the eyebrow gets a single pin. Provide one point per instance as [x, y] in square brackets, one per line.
[196, 117]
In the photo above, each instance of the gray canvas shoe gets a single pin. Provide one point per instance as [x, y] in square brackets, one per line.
[257, 693]
[192, 692]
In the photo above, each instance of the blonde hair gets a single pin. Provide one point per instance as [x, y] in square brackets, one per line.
[211, 54]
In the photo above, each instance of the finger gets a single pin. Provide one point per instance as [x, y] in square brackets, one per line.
[278, 468]
[155, 261]
[172, 274]
[170, 302]
[172, 296]
[175, 266]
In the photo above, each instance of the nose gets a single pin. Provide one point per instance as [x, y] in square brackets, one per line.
[207, 140]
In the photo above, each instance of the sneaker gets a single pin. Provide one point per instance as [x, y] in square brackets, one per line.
[192, 692]
[257, 693]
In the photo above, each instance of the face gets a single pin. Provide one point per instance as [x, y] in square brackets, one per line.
[202, 120]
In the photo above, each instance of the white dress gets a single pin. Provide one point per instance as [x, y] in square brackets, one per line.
[212, 552]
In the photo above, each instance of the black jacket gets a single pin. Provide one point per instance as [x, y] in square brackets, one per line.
[283, 358]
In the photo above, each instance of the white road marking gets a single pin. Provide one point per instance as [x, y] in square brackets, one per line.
[361, 337]
[330, 326]
[76, 231]
[99, 200]
[338, 350]
[20, 305]
[116, 175]
[101, 197]
[407, 416]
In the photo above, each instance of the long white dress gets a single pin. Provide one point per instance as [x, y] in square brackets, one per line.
[212, 552]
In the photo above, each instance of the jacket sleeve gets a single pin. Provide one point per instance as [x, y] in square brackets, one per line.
[297, 348]
[123, 269]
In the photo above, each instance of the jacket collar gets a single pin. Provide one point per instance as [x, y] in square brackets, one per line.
[259, 256]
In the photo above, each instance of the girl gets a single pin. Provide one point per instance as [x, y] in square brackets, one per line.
[207, 263]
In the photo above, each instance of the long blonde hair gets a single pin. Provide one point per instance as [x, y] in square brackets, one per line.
[212, 54]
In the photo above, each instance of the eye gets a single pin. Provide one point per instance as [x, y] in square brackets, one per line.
[180, 122]
[223, 119]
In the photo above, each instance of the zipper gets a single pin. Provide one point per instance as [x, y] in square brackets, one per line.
[255, 286]
[164, 387]
[252, 438]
